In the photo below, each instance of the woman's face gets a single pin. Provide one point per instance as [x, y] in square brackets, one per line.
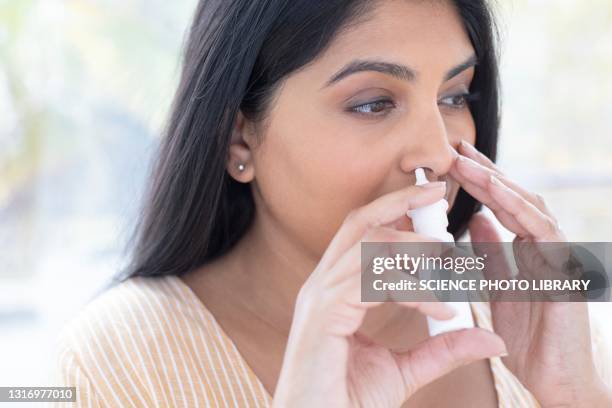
[384, 99]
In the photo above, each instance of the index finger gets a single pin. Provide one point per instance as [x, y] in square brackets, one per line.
[381, 211]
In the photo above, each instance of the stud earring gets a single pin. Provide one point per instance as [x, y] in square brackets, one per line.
[241, 167]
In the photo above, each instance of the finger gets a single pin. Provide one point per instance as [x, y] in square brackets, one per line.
[350, 263]
[341, 311]
[482, 168]
[470, 151]
[445, 352]
[481, 194]
[344, 279]
[350, 293]
[482, 229]
[349, 269]
[486, 240]
[538, 224]
[381, 211]
[478, 174]
[545, 260]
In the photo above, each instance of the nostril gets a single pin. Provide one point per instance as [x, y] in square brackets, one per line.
[426, 175]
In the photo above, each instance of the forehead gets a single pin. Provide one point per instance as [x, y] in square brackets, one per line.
[423, 34]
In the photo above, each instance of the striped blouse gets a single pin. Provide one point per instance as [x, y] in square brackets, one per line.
[150, 342]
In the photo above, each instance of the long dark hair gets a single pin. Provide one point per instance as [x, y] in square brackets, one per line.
[237, 54]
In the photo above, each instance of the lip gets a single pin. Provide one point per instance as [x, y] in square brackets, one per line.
[404, 224]
[449, 188]
[449, 185]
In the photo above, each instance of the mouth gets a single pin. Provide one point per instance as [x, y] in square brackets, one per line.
[451, 190]
[404, 224]
[449, 186]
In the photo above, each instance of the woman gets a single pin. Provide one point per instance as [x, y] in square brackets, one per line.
[294, 136]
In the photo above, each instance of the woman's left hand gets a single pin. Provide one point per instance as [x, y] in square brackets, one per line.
[548, 343]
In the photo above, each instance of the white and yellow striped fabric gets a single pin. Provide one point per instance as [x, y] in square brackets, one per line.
[150, 342]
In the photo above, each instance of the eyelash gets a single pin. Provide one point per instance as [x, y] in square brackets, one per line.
[356, 109]
[466, 99]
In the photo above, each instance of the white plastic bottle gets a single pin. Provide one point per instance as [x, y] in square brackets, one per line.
[432, 221]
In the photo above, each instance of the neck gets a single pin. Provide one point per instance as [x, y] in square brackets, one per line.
[263, 273]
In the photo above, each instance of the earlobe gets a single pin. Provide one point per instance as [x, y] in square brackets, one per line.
[239, 163]
[240, 156]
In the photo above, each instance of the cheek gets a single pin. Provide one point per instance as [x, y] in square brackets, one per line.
[459, 127]
[311, 173]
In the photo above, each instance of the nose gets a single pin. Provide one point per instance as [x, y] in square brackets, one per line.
[426, 144]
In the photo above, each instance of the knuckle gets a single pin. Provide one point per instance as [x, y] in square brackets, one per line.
[552, 225]
[372, 234]
[356, 216]
[450, 344]
[379, 234]
[524, 204]
[451, 350]
[353, 214]
[539, 199]
[304, 294]
[500, 175]
[351, 217]
[361, 216]
[307, 300]
[494, 167]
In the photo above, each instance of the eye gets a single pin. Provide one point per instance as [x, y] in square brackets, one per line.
[459, 101]
[379, 107]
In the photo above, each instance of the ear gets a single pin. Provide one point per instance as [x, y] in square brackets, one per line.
[240, 156]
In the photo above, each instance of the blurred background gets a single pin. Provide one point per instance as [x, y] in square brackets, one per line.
[85, 86]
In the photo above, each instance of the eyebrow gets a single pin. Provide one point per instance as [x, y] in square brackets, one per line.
[398, 71]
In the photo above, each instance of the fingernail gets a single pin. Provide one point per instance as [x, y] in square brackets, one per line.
[467, 146]
[454, 151]
[504, 353]
[434, 184]
[470, 162]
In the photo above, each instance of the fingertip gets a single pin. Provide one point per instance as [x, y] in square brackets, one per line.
[464, 164]
[439, 311]
[494, 345]
[464, 144]
[502, 350]
[447, 312]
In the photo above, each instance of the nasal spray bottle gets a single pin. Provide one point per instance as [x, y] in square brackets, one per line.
[432, 221]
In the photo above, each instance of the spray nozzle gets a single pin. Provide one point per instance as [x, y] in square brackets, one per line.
[420, 177]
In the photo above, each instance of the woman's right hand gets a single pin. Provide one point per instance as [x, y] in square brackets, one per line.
[327, 363]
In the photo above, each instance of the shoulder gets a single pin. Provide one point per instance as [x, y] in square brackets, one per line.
[120, 342]
[143, 306]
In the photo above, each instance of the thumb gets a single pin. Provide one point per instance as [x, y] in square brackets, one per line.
[443, 353]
